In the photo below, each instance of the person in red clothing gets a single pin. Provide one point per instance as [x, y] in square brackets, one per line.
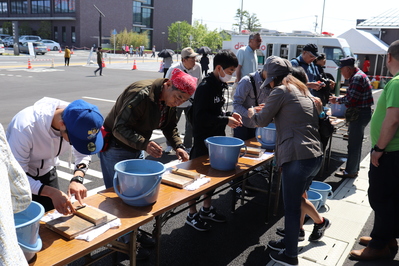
[366, 65]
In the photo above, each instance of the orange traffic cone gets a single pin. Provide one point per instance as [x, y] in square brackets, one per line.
[134, 65]
[103, 63]
[60, 51]
[29, 65]
[71, 51]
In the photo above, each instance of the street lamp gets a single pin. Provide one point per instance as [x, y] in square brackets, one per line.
[239, 27]
[178, 35]
[322, 17]
[163, 40]
[99, 25]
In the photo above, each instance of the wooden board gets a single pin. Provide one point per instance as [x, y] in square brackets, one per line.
[70, 226]
[176, 180]
[186, 173]
[253, 152]
[92, 214]
[81, 222]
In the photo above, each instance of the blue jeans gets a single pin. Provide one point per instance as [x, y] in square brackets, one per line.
[296, 178]
[355, 140]
[383, 195]
[112, 156]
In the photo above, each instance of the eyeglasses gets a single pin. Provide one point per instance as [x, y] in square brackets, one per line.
[311, 55]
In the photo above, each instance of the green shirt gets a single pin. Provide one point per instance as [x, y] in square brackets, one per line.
[389, 98]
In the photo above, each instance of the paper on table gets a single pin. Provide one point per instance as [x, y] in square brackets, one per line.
[197, 183]
[89, 236]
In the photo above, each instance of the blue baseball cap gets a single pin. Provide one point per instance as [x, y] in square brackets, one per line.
[83, 122]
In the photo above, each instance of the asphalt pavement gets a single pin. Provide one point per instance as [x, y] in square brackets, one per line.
[241, 240]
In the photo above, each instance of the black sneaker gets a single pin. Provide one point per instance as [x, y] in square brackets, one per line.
[281, 232]
[212, 215]
[145, 240]
[276, 245]
[196, 222]
[283, 259]
[142, 254]
[319, 229]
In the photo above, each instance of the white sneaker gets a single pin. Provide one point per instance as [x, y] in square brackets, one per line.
[168, 149]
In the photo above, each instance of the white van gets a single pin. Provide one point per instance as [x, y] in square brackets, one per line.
[290, 45]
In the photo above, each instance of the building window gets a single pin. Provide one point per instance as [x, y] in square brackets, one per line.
[284, 51]
[64, 6]
[63, 34]
[3, 7]
[56, 34]
[147, 17]
[19, 7]
[136, 13]
[40, 6]
[73, 35]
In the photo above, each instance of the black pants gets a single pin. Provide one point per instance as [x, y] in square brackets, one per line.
[383, 195]
[49, 179]
[67, 61]
[100, 67]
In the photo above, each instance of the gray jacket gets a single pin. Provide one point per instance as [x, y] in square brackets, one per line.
[297, 124]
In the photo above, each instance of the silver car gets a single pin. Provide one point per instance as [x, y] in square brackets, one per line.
[2, 50]
[38, 47]
[52, 45]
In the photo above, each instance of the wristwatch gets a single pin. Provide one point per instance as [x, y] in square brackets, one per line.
[77, 178]
[378, 149]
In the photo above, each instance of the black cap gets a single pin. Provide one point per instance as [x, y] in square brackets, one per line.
[311, 47]
[347, 61]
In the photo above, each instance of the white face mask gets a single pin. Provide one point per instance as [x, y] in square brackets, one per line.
[226, 77]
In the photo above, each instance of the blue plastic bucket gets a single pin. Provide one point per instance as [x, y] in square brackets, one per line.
[27, 224]
[224, 152]
[324, 189]
[146, 198]
[137, 176]
[338, 110]
[266, 136]
[315, 198]
[30, 251]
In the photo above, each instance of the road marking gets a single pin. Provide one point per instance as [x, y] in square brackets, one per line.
[99, 99]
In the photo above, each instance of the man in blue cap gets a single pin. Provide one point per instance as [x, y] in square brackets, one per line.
[40, 133]
[359, 100]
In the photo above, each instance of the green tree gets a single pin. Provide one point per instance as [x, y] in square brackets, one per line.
[44, 30]
[179, 33]
[130, 38]
[198, 33]
[213, 40]
[7, 28]
[25, 29]
[248, 22]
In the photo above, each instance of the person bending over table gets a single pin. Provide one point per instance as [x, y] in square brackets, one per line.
[210, 119]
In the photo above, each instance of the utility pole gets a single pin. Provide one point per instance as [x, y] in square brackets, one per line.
[99, 25]
[239, 27]
[322, 17]
[315, 24]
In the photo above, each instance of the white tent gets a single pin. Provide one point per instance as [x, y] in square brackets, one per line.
[362, 42]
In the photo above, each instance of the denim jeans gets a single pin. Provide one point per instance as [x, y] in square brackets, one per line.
[296, 178]
[113, 155]
[355, 140]
[383, 195]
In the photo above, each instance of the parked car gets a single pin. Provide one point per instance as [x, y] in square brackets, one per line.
[8, 41]
[52, 45]
[2, 36]
[2, 50]
[38, 47]
[29, 38]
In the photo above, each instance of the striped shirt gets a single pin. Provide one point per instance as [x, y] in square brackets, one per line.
[358, 94]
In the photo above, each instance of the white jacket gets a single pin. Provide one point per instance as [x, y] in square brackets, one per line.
[34, 143]
[15, 196]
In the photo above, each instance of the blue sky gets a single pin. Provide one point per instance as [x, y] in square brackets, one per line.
[289, 15]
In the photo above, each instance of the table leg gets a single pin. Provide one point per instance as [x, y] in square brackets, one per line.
[156, 233]
[277, 172]
[133, 247]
